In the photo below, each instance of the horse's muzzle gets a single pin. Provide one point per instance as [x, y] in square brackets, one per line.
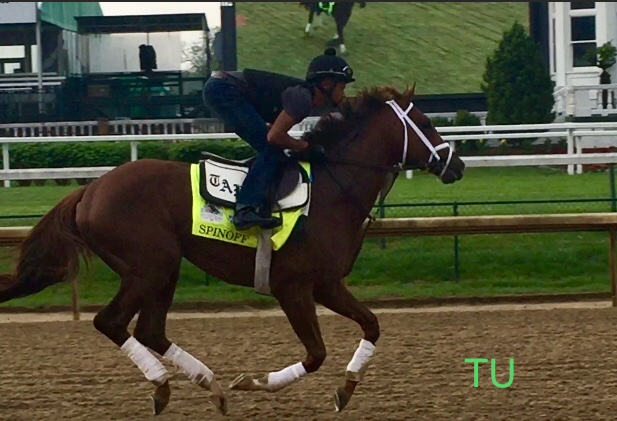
[454, 171]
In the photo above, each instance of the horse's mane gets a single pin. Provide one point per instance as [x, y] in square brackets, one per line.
[333, 128]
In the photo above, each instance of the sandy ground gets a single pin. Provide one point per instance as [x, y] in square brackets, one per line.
[565, 366]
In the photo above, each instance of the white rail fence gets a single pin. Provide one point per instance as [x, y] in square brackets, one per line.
[116, 127]
[21, 83]
[571, 132]
[148, 126]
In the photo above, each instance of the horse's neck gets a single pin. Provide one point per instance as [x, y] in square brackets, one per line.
[357, 187]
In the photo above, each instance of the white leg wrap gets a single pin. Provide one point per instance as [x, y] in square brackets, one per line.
[285, 377]
[194, 369]
[360, 361]
[147, 363]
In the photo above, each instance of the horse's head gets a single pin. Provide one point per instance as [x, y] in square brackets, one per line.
[419, 144]
[387, 129]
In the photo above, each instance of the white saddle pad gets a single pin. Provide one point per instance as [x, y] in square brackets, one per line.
[223, 181]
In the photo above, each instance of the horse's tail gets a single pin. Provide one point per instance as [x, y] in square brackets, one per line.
[49, 254]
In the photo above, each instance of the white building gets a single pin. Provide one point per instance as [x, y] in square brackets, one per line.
[574, 27]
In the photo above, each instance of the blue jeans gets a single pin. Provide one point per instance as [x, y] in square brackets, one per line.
[235, 110]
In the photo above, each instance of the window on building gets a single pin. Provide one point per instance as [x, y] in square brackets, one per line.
[12, 51]
[582, 5]
[582, 32]
[12, 58]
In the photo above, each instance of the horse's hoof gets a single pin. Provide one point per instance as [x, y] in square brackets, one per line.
[221, 404]
[158, 403]
[341, 398]
[243, 382]
[160, 398]
[246, 382]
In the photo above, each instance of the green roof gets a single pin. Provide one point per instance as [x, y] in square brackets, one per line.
[63, 13]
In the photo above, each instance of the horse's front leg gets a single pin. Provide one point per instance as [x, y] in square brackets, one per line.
[299, 306]
[336, 297]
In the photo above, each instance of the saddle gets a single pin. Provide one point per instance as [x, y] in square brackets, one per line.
[221, 179]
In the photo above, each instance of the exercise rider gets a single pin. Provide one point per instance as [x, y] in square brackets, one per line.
[250, 100]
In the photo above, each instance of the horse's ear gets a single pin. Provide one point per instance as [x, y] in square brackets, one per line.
[409, 92]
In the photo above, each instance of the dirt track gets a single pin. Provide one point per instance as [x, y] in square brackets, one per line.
[565, 367]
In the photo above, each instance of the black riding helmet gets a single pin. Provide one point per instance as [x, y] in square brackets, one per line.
[329, 65]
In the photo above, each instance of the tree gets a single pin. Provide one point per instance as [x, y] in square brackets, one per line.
[198, 56]
[517, 82]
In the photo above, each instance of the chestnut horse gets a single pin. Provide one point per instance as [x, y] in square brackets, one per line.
[137, 219]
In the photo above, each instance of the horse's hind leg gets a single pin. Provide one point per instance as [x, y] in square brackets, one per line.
[299, 306]
[309, 25]
[150, 331]
[337, 298]
[113, 320]
[149, 271]
[341, 15]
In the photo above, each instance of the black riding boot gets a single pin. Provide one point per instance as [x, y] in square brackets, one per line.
[246, 217]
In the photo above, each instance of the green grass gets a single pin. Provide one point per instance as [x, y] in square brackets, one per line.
[501, 184]
[441, 46]
[478, 185]
[410, 267]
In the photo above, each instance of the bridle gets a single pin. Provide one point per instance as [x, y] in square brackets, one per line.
[404, 117]
[433, 162]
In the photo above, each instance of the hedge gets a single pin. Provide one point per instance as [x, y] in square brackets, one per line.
[95, 154]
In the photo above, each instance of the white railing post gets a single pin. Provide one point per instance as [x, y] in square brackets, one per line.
[577, 149]
[5, 162]
[134, 151]
[570, 151]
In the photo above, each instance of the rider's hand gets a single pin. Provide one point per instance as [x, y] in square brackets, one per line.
[312, 154]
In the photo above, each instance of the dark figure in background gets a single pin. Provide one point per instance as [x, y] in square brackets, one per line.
[247, 100]
[315, 17]
[339, 10]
